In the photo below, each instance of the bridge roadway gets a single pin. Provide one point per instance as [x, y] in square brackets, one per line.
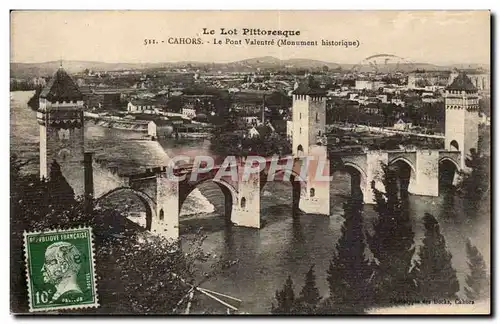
[164, 196]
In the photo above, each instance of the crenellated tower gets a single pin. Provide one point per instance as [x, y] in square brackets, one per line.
[462, 116]
[308, 116]
[60, 116]
[309, 140]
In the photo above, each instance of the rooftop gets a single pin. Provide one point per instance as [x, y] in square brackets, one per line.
[144, 102]
[61, 88]
[309, 87]
[462, 83]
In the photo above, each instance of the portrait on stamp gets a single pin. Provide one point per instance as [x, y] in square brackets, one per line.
[60, 269]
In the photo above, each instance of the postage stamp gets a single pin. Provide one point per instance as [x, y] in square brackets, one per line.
[60, 269]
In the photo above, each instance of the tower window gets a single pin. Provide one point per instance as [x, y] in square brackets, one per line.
[300, 130]
[312, 192]
[317, 119]
[300, 115]
[162, 214]
[243, 202]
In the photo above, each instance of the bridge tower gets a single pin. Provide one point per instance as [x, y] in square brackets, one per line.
[462, 117]
[60, 116]
[309, 140]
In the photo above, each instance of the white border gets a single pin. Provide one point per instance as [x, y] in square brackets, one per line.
[200, 4]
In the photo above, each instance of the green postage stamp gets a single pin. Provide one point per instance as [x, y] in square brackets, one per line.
[60, 269]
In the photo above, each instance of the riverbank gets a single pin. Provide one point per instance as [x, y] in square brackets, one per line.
[380, 130]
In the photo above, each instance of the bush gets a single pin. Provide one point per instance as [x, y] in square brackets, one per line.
[136, 271]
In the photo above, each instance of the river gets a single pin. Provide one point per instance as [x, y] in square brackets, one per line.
[283, 247]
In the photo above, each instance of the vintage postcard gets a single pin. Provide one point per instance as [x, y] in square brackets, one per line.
[250, 162]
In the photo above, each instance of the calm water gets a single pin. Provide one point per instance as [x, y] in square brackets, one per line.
[266, 256]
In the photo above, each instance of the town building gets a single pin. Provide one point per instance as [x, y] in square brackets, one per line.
[160, 128]
[189, 112]
[402, 125]
[363, 85]
[140, 105]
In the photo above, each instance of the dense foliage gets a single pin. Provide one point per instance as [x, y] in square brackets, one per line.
[135, 270]
[392, 244]
[435, 276]
[309, 296]
[306, 303]
[285, 298]
[478, 280]
[350, 271]
[475, 184]
[393, 275]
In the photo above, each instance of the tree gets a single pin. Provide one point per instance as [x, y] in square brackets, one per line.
[285, 299]
[34, 101]
[349, 272]
[435, 276]
[478, 281]
[135, 270]
[309, 295]
[392, 244]
[174, 104]
[475, 184]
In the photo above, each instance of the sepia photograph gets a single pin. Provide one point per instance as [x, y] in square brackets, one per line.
[272, 162]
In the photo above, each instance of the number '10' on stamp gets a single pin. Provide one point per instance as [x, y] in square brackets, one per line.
[60, 269]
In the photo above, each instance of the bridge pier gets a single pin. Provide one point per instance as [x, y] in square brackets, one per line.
[246, 211]
[315, 198]
[426, 180]
[374, 172]
[166, 221]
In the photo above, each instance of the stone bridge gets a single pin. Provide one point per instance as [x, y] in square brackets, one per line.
[163, 196]
[61, 121]
[424, 168]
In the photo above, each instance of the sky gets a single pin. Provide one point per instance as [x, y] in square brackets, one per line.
[438, 37]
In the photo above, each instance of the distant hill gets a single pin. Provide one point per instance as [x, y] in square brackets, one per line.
[273, 62]
[28, 70]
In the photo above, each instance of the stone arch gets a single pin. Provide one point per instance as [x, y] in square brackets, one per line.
[407, 177]
[448, 169]
[148, 203]
[444, 159]
[229, 192]
[405, 160]
[300, 149]
[454, 146]
[299, 186]
[358, 178]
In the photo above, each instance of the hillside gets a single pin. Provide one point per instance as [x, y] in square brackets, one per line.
[29, 70]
